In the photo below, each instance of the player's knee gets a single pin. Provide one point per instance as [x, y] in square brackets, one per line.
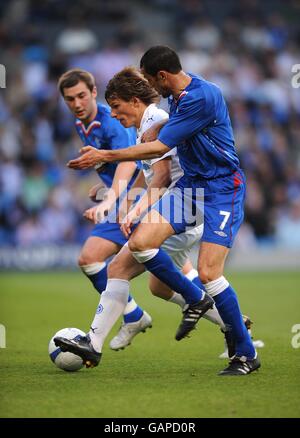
[207, 274]
[136, 244]
[86, 259]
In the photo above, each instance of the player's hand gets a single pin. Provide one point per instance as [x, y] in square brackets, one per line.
[122, 213]
[90, 157]
[98, 213]
[151, 133]
[131, 218]
[94, 191]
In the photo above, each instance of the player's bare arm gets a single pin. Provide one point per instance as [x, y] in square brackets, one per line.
[94, 191]
[136, 189]
[160, 181]
[123, 174]
[152, 133]
[91, 156]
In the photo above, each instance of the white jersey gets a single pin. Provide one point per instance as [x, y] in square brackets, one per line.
[180, 245]
[152, 115]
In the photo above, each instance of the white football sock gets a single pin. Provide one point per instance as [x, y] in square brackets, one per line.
[213, 315]
[130, 307]
[112, 304]
[177, 299]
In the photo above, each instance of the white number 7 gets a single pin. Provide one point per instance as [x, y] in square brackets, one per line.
[226, 215]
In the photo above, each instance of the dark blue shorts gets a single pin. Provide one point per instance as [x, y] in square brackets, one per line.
[109, 230]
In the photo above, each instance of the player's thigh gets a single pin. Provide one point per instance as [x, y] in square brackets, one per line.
[124, 265]
[211, 261]
[159, 289]
[153, 230]
[179, 246]
[97, 249]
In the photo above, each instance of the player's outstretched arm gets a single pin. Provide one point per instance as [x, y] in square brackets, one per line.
[123, 175]
[91, 156]
[161, 179]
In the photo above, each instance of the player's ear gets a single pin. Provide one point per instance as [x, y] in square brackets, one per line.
[135, 101]
[162, 75]
[94, 92]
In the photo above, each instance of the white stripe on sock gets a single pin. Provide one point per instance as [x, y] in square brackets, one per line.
[217, 286]
[192, 274]
[93, 268]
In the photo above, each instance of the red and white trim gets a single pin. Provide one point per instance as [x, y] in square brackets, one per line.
[87, 130]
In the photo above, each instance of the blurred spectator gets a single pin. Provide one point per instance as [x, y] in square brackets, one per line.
[287, 227]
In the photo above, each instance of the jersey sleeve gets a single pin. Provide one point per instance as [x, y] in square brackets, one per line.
[170, 153]
[192, 115]
[117, 136]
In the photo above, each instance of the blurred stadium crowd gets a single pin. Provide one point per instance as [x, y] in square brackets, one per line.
[247, 47]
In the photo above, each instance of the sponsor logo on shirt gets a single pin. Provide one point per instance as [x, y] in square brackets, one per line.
[221, 233]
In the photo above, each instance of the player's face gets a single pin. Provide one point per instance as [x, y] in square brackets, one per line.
[80, 100]
[128, 113]
[159, 83]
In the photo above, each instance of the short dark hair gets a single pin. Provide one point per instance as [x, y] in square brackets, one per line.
[72, 77]
[129, 83]
[160, 58]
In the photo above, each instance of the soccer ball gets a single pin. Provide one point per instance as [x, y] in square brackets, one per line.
[65, 360]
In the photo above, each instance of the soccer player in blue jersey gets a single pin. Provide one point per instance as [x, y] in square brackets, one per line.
[97, 128]
[200, 127]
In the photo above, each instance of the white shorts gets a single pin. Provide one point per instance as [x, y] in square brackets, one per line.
[179, 246]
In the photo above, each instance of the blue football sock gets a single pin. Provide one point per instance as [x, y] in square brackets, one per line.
[229, 310]
[198, 282]
[99, 280]
[162, 266]
[133, 316]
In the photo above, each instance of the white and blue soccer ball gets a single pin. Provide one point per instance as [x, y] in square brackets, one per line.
[65, 360]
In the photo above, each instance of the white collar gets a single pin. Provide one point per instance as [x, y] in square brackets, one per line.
[147, 113]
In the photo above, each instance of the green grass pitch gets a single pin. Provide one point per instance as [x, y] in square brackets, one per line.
[156, 376]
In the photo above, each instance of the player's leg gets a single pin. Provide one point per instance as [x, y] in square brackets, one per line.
[111, 306]
[179, 247]
[113, 300]
[93, 262]
[145, 245]
[211, 266]
[223, 216]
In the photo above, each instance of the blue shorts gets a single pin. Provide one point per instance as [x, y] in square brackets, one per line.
[182, 206]
[109, 230]
[220, 203]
